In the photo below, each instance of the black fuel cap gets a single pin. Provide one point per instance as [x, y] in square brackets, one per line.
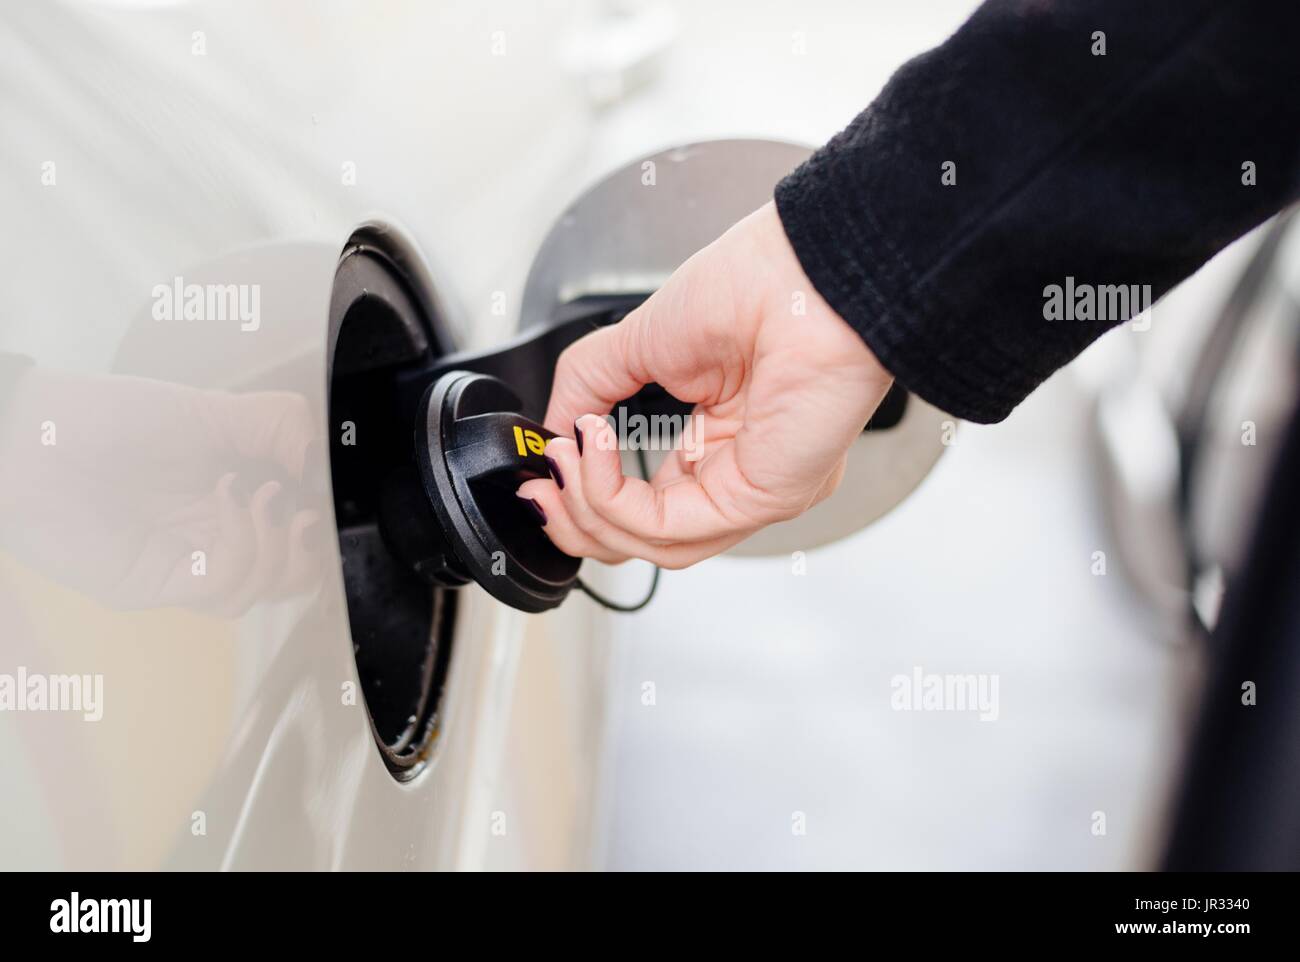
[474, 448]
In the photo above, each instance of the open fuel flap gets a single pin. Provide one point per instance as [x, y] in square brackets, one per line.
[384, 322]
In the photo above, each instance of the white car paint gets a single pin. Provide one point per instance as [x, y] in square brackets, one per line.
[226, 160]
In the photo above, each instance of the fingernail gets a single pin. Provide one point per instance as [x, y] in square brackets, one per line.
[537, 510]
[555, 471]
[577, 436]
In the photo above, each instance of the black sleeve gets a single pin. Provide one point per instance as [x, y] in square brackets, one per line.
[1130, 167]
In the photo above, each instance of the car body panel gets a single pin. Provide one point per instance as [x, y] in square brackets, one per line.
[225, 740]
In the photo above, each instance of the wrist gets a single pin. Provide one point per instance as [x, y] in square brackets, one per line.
[792, 292]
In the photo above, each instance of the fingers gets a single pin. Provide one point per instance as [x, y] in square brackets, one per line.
[577, 528]
[272, 425]
[686, 337]
[268, 553]
[258, 551]
[699, 507]
[560, 528]
[233, 541]
[595, 373]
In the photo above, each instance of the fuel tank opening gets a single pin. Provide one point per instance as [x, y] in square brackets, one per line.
[383, 322]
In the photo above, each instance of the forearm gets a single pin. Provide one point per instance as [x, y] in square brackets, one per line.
[1117, 169]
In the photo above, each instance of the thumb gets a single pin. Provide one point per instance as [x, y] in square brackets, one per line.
[597, 371]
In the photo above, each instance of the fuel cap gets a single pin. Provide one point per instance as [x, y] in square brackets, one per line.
[474, 447]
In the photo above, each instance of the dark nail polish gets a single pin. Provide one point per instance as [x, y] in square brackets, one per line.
[555, 471]
[577, 436]
[537, 510]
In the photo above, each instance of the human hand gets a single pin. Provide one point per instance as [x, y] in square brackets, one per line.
[781, 395]
[147, 494]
